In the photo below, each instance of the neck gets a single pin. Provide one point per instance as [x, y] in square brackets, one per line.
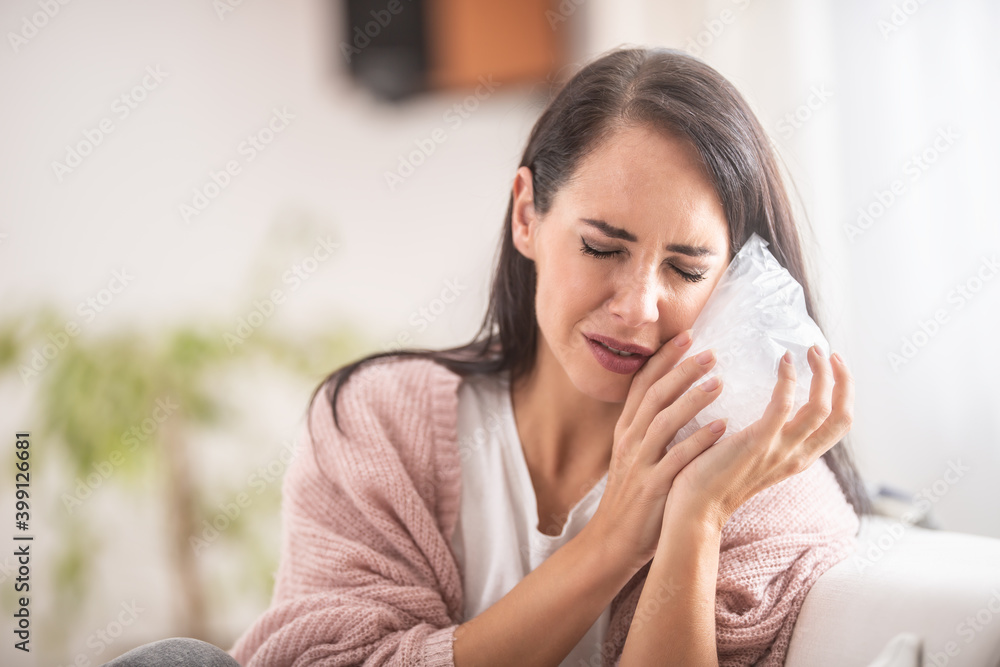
[565, 433]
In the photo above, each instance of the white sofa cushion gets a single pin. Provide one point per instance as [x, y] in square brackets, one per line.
[943, 587]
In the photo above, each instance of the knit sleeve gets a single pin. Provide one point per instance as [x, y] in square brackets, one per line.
[773, 549]
[365, 576]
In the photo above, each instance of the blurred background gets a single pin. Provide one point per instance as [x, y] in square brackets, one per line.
[206, 206]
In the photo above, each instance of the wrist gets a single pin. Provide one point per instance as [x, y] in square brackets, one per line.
[611, 553]
[693, 515]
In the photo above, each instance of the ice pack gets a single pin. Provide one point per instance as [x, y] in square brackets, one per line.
[756, 312]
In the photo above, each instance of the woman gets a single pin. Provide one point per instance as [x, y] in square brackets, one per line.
[508, 502]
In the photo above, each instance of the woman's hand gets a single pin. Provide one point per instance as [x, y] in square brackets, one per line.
[717, 482]
[630, 515]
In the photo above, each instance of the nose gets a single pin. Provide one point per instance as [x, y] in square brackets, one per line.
[637, 299]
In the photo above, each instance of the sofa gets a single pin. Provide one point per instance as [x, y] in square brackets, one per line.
[910, 596]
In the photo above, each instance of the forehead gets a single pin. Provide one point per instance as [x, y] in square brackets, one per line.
[649, 182]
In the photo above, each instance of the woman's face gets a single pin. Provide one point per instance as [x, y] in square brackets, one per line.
[645, 197]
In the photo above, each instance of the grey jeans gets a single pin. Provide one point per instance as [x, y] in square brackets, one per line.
[175, 652]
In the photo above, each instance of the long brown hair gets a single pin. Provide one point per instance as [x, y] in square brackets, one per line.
[661, 88]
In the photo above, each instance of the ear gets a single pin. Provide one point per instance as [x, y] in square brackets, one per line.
[523, 219]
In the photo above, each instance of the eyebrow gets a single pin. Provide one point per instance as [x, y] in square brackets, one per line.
[625, 235]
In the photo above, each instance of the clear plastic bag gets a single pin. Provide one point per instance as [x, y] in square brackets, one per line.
[756, 312]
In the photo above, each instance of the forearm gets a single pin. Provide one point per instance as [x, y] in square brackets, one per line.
[674, 622]
[542, 618]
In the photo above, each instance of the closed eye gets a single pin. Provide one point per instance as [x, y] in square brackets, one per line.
[594, 252]
[607, 254]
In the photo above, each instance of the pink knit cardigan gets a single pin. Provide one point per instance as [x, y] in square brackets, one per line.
[367, 575]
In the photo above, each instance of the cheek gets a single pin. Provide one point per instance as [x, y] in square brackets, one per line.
[566, 294]
[691, 305]
[572, 287]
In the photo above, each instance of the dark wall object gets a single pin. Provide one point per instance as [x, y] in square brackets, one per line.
[396, 48]
[384, 44]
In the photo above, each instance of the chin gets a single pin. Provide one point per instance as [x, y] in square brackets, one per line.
[602, 385]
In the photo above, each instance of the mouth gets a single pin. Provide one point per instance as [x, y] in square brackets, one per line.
[618, 352]
[619, 348]
[616, 358]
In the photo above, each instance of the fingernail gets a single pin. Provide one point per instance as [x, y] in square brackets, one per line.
[836, 357]
[682, 339]
[704, 357]
[818, 350]
[718, 426]
[787, 357]
[710, 384]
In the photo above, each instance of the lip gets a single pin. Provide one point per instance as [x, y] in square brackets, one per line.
[611, 361]
[619, 345]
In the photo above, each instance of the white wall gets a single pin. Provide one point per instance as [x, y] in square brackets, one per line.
[223, 78]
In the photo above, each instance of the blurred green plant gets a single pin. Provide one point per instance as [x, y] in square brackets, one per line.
[88, 401]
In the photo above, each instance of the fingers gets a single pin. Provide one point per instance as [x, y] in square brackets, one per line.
[782, 398]
[668, 388]
[658, 365]
[669, 420]
[841, 417]
[688, 449]
[819, 406]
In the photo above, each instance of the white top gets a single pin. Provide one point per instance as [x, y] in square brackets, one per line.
[496, 540]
